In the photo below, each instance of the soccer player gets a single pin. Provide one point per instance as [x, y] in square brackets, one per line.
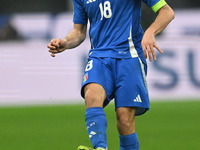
[116, 65]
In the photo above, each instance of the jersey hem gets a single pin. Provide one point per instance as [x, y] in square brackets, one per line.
[79, 22]
[110, 54]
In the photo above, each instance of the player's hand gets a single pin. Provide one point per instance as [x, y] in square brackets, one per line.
[56, 46]
[148, 45]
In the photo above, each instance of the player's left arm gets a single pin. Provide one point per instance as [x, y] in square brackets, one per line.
[164, 17]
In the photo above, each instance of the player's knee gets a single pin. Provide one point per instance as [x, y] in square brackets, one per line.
[90, 96]
[125, 127]
[94, 95]
[125, 123]
[92, 99]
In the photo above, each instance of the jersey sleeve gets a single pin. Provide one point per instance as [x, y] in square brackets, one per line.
[155, 4]
[80, 16]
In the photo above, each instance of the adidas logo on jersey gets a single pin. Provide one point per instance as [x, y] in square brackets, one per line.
[90, 1]
[137, 99]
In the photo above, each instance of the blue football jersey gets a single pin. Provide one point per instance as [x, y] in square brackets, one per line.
[115, 29]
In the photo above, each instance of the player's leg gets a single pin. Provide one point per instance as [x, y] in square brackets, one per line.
[94, 95]
[95, 117]
[131, 99]
[97, 89]
[125, 120]
[126, 128]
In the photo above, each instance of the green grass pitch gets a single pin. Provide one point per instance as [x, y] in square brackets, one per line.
[167, 126]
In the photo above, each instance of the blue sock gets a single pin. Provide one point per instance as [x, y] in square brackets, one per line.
[129, 142]
[96, 126]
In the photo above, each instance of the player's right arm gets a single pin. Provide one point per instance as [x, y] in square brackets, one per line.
[73, 39]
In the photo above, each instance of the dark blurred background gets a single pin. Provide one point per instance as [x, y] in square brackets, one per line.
[22, 6]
